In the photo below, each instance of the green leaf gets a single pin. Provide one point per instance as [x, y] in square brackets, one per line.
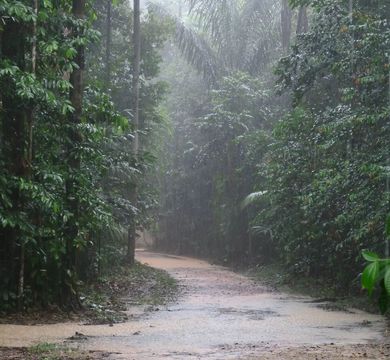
[387, 280]
[370, 256]
[388, 226]
[70, 53]
[370, 276]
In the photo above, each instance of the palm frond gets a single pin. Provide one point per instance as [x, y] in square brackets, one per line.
[115, 233]
[193, 46]
[243, 32]
[233, 35]
[198, 53]
[260, 35]
[252, 198]
[261, 230]
[220, 20]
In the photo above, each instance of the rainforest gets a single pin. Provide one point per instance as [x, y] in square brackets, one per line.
[224, 159]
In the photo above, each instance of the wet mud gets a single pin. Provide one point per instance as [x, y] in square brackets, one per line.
[221, 315]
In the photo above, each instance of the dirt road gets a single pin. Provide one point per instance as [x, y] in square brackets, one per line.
[223, 315]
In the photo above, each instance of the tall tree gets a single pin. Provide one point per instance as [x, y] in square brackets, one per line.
[132, 232]
[286, 17]
[302, 23]
[108, 44]
[14, 113]
[74, 161]
[235, 36]
[29, 149]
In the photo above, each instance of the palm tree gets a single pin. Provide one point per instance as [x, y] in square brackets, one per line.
[229, 35]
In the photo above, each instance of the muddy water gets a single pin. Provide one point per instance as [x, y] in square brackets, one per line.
[220, 315]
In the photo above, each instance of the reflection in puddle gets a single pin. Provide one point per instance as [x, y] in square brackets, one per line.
[258, 314]
[217, 307]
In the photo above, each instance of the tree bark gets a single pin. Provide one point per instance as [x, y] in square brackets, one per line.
[136, 73]
[108, 45]
[286, 16]
[75, 138]
[28, 162]
[15, 138]
[303, 23]
[132, 231]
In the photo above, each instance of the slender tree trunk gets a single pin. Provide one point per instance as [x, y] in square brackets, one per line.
[75, 138]
[15, 136]
[286, 16]
[250, 246]
[136, 73]
[303, 23]
[108, 45]
[28, 172]
[4, 250]
[28, 158]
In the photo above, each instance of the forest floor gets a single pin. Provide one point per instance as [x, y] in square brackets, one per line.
[330, 296]
[218, 315]
[106, 300]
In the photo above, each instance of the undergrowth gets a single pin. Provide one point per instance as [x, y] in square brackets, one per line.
[108, 298]
[325, 293]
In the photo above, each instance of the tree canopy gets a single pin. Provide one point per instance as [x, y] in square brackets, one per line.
[250, 132]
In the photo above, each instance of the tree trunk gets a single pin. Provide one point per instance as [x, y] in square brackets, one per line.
[15, 138]
[29, 152]
[108, 46]
[76, 99]
[136, 73]
[286, 16]
[303, 23]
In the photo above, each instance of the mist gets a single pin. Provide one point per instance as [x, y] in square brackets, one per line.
[208, 178]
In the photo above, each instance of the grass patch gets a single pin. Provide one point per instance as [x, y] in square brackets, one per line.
[329, 296]
[47, 351]
[107, 299]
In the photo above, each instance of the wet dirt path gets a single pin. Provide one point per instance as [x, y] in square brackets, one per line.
[222, 315]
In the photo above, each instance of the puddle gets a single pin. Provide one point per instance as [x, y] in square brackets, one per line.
[221, 314]
[260, 314]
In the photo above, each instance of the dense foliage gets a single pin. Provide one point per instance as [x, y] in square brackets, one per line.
[290, 168]
[67, 165]
[273, 144]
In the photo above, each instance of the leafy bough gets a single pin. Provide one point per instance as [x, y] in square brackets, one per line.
[377, 274]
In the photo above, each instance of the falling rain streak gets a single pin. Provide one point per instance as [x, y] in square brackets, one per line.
[254, 134]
